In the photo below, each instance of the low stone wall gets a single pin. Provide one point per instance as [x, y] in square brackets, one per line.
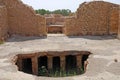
[54, 19]
[93, 18]
[23, 20]
[3, 22]
[50, 20]
[55, 29]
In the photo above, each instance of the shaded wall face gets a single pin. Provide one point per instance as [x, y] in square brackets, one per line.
[3, 22]
[23, 20]
[114, 20]
[93, 18]
[119, 24]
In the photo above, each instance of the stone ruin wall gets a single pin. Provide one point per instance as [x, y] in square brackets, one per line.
[3, 22]
[114, 20]
[93, 18]
[119, 25]
[22, 19]
[55, 19]
[59, 19]
[50, 21]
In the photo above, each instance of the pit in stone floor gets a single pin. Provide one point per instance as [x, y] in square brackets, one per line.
[53, 63]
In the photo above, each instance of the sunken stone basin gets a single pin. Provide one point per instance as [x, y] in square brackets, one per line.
[53, 63]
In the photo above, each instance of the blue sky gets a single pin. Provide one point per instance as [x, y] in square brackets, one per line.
[59, 4]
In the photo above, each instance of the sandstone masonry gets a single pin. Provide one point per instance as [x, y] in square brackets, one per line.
[94, 18]
[21, 19]
[3, 23]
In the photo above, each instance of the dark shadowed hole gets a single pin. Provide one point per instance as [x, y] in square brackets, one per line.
[42, 61]
[84, 58]
[56, 63]
[27, 65]
[42, 65]
[70, 62]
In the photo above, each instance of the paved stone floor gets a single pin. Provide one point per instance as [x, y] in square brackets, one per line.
[101, 65]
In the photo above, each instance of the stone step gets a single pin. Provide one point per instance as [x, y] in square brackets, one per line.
[56, 35]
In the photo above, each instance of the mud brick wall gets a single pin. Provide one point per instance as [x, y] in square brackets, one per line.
[23, 20]
[3, 22]
[93, 18]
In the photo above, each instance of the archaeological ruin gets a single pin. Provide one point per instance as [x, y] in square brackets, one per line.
[93, 18]
[55, 23]
[52, 60]
[85, 45]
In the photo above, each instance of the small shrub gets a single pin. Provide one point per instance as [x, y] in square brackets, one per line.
[60, 73]
[1, 42]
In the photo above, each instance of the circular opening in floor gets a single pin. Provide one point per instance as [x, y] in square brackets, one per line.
[53, 63]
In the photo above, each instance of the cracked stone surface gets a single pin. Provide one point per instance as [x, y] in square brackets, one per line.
[102, 65]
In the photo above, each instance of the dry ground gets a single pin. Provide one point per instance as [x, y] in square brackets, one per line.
[101, 66]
